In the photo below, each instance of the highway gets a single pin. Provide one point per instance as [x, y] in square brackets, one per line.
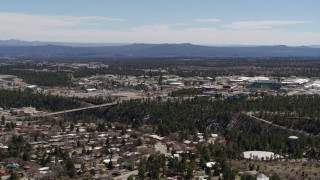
[275, 125]
[77, 109]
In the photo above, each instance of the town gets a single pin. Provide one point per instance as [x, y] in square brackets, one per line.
[159, 90]
[47, 142]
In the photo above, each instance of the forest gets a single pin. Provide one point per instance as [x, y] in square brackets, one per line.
[37, 77]
[190, 67]
[187, 117]
[87, 72]
[183, 119]
[190, 92]
[17, 99]
[184, 67]
[221, 116]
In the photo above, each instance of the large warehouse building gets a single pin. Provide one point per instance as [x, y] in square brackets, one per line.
[264, 84]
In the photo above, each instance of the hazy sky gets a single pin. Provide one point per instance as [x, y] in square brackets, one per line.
[254, 22]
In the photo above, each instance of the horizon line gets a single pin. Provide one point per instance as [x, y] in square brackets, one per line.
[148, 43]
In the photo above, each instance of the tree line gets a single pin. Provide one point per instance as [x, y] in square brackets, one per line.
[18, 98]
[40, 78]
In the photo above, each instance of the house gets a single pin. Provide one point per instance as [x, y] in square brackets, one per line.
[91, 90]
[3, 147]
[261, 176]
[210, 164]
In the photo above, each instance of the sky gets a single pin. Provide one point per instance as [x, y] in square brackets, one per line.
[207, 22]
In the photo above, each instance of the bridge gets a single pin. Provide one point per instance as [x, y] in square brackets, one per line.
[77, 109]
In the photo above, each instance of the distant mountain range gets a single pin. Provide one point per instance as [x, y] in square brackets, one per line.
[15, 42]
[315, 46]
[16, 48]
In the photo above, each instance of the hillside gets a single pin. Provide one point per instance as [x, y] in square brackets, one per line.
[156, 50]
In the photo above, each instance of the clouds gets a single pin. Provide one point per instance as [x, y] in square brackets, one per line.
[204, 35]
[266, 24]
[210, 20]
[36, 21]
[202, 31]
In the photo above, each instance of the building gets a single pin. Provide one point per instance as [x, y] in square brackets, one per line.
[314, 85]
[239, 96]
[264, 84]
[91, 90]
[261, 176]
[297, 81]
[169, 80]
[177, 84]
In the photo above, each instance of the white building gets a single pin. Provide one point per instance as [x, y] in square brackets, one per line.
[314, 85]
[259, 155]
[261, 176]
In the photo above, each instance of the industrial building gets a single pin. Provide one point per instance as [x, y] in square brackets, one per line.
[313, 85]
[295, 81]
[264, 84]
[248, 79]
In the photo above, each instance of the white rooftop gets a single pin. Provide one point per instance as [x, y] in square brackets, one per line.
[210, 164]
[293, 137]
[259, 155]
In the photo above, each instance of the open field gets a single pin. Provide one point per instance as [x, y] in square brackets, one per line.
[286, 169]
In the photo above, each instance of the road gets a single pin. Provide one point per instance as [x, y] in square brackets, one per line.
[77, 109]
[275, 125]
[126, 175]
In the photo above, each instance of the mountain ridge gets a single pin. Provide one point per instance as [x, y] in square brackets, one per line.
[154, 50]
[17, 42]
